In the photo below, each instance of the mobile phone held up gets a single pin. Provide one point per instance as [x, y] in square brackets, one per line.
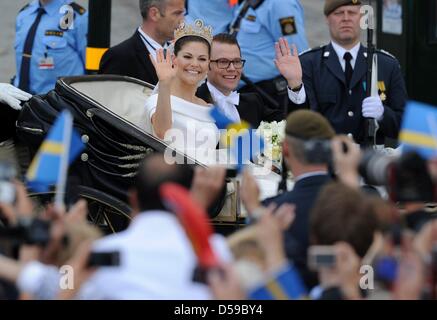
[321, 257]
[7, 187]
[104, 259]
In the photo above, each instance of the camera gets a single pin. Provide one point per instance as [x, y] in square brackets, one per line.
[406, 177]
[30, 232]
[104, 259]
[321, 257]
[318, 151]
[7, 188]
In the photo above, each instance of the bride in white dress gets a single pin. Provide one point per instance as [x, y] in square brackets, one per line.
[176, 115]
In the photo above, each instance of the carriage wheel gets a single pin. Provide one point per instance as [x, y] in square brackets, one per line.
[106, 212]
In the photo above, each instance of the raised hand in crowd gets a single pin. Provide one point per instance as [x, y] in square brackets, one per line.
[250, 193]
[224, 284]
[288, 63]
[346, 156]
[21, 208]
[207, 185]
[411, 272]
[12, 96]
[269, 234]
[82, 272]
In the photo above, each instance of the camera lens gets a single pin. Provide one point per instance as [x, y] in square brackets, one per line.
[374, 167]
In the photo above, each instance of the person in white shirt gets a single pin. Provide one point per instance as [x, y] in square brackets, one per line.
[157, 258]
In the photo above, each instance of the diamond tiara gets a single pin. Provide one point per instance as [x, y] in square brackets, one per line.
[197, 29]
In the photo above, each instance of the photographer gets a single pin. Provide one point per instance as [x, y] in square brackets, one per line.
[345, 219]
[305, 151]
[44, 243]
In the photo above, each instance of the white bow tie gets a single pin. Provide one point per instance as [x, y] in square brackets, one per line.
[233, 98]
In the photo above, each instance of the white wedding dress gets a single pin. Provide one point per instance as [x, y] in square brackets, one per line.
[194, 131]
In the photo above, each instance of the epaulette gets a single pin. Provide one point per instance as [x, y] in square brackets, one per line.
[78, 8]
[25, 7]
[386, 53]
[311, 50]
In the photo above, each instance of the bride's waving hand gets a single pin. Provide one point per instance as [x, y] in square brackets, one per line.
[162, 119]
[163, 66]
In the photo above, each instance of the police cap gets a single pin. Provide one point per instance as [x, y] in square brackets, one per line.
[332, 5]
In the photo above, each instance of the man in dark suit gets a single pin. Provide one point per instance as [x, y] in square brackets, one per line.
[223, 77]
[132, 57]
[305, 129]
[331, 79]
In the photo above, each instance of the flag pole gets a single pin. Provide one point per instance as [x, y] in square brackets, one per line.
[63, 168]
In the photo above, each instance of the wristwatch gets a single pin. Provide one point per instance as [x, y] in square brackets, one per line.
[297, 89]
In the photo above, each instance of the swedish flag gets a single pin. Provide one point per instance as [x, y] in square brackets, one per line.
[61, 146]
[419, 129]
[286, 284]
[243, 141]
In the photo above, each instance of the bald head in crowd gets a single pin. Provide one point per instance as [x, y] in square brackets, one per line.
[153, 172]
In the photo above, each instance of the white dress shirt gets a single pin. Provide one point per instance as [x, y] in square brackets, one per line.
[300, 97]
[341, 51]
[151, 44]
[226, 104]
[156, 262]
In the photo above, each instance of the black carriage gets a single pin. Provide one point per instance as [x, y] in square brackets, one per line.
[109, 115]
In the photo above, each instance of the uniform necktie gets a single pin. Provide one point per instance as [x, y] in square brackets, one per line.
[348, 70]
[27, 52]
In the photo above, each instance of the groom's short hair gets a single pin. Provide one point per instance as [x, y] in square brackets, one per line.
[227, 39]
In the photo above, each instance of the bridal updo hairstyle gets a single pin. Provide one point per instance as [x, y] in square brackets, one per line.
[179, 44]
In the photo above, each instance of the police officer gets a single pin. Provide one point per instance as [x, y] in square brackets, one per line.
[331, 79]
[265, 22]
[51, 39]
[216, 13]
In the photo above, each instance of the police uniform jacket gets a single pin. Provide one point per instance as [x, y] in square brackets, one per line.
[261, 27]
[59, 45]
[129, 58]
[326, 91]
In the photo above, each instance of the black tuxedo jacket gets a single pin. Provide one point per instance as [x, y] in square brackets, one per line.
[251, 107]
[303, 195]
[129, 58]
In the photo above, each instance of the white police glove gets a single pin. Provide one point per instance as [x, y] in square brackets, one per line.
[12, 95]
[373, 108]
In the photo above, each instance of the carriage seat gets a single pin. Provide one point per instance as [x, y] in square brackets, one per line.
[126, 99]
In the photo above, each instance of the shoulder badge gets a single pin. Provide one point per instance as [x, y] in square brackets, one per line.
[311, 50]
[25, 7]
[386, 53]
[78, 8]
[288, 26]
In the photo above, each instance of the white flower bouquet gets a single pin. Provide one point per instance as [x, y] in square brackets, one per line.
[273, 134]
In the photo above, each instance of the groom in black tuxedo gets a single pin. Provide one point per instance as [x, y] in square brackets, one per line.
[223, 77]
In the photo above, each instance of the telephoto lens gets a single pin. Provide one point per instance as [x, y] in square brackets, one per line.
[374, 167]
